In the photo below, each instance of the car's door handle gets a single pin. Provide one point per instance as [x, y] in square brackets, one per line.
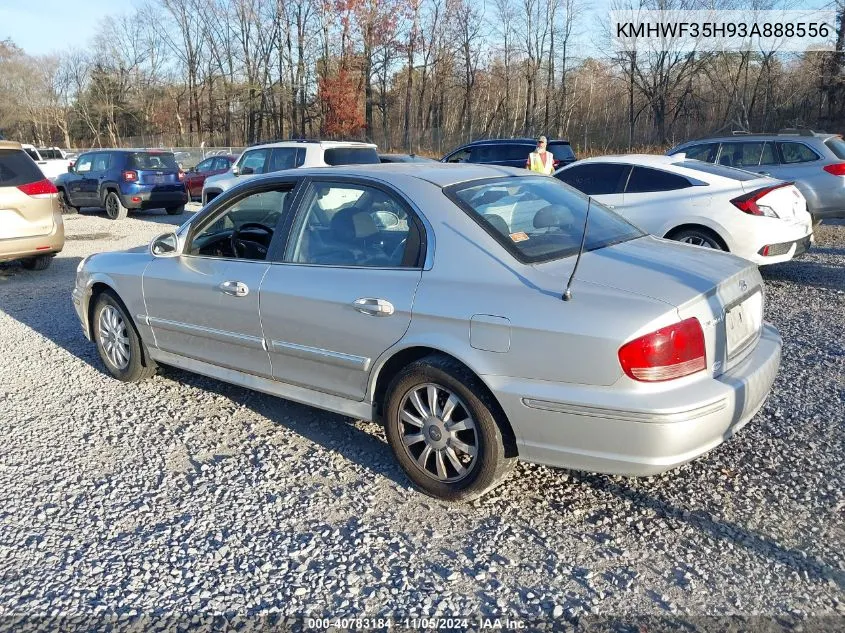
[373, 307]
[234, 288]
[610, 206]
[764, 173]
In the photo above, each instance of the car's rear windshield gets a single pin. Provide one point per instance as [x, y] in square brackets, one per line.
[351, 156]
[717, 170]
[563, 151]
[836, 145]
[539, 218]
[152, 161]
[16, 168]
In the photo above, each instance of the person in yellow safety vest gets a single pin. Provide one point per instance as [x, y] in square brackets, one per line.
[540, 160]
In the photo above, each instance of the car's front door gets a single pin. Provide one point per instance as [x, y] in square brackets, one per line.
[203, 304]
[93, 179]
[77, 193]
[344, 290]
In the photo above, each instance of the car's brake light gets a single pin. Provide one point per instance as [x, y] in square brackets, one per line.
[130, 176]
[39, 189]
[747, 203]
[837, 169]
[670, 352]
[181, 175]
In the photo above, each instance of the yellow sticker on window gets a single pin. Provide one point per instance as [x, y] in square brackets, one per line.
[520, 236]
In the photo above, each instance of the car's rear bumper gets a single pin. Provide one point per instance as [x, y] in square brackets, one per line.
[611, 431]
[784, 243]
[23, 247]
[154, 199]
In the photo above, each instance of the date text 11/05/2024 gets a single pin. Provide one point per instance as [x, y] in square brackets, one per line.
[427, 623]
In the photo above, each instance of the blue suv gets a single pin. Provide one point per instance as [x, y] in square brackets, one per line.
[508, 152]
[118, 180]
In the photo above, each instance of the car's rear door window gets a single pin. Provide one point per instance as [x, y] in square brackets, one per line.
[745, 154]
[351, 156]
[286, 158]
[101, 161]
[647, 180]
[536, 218]
[596, 179]
[16, 168]
[461, 156]
[796, 153]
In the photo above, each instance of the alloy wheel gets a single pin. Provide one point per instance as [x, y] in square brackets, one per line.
[438, 432]
[697, 240]
[114, 337]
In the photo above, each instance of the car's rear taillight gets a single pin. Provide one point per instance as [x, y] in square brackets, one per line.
[39, 189]
[181, 175]
[670, 352]
[837, 169]
[130, 176]
[748, 203]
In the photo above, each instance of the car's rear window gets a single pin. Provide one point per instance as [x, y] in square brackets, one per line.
[836, 145]
[351, 156]
[562, 151]
[717, 170]
[152, 161]
[16, 168]
[539, 218]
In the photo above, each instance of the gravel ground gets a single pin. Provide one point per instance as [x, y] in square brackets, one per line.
[185, 496]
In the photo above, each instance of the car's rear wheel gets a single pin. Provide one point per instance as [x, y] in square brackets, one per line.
[176, 210]
[441, 425]
[118, 342]
[698, 237]
[65, 205]
[114, 207]
[37, 263]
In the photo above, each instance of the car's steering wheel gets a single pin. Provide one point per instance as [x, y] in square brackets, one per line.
[240, 244]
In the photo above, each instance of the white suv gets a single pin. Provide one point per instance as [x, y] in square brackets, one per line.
[270, 157]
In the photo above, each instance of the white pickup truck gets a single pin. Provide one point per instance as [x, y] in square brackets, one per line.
[51, 160]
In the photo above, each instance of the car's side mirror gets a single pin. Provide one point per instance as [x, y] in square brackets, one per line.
[70, 169]
[235, 170]
[166, 245]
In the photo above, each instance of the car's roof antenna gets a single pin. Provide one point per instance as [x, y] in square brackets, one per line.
[567, 294]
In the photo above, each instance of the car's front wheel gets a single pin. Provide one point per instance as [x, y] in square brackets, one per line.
[118, 343]
[64, 203]
[441, 425]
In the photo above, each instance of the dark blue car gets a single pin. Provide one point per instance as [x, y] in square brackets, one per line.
[120, 180]
[508, 152]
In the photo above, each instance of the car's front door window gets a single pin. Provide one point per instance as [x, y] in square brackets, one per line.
[353, 225]
[83, 165]
[205, 166]
[245, 229]
[253, 162]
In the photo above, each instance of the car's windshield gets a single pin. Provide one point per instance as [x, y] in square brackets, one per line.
[152, 160]
[539, 218]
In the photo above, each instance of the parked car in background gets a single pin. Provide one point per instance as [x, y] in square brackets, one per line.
[31, 226]
[447, 324]
[509, 152]
[52, 161]
[404, 158]
[267, 158]
[122, 180]
[815, 162]
[753, 216]
[211, 166]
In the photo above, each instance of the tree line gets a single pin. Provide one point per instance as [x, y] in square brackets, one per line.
[413, 75]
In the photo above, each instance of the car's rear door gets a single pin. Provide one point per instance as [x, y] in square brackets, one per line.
[343, 291]
[203, 304]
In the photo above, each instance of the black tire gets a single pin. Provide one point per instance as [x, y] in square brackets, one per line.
[139, 366]
[176, 210]
[41, 262]
[486, 470]
[114, 207]
[699, 237]
[65, 205]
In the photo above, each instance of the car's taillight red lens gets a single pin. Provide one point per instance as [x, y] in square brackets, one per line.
[747, 203]
[837, 169]
[181, 175]
[130, 176]
[39, 188]
[670, 352]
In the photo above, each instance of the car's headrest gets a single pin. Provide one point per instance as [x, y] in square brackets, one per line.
[351, 223]
[497, 222]
[552, 216]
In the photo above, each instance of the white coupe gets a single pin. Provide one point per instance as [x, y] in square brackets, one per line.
[756, 217]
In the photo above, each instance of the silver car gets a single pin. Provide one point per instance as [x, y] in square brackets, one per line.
[815, 162]
[431, 298]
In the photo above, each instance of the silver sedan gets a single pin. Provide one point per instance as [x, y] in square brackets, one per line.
[431, 298]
